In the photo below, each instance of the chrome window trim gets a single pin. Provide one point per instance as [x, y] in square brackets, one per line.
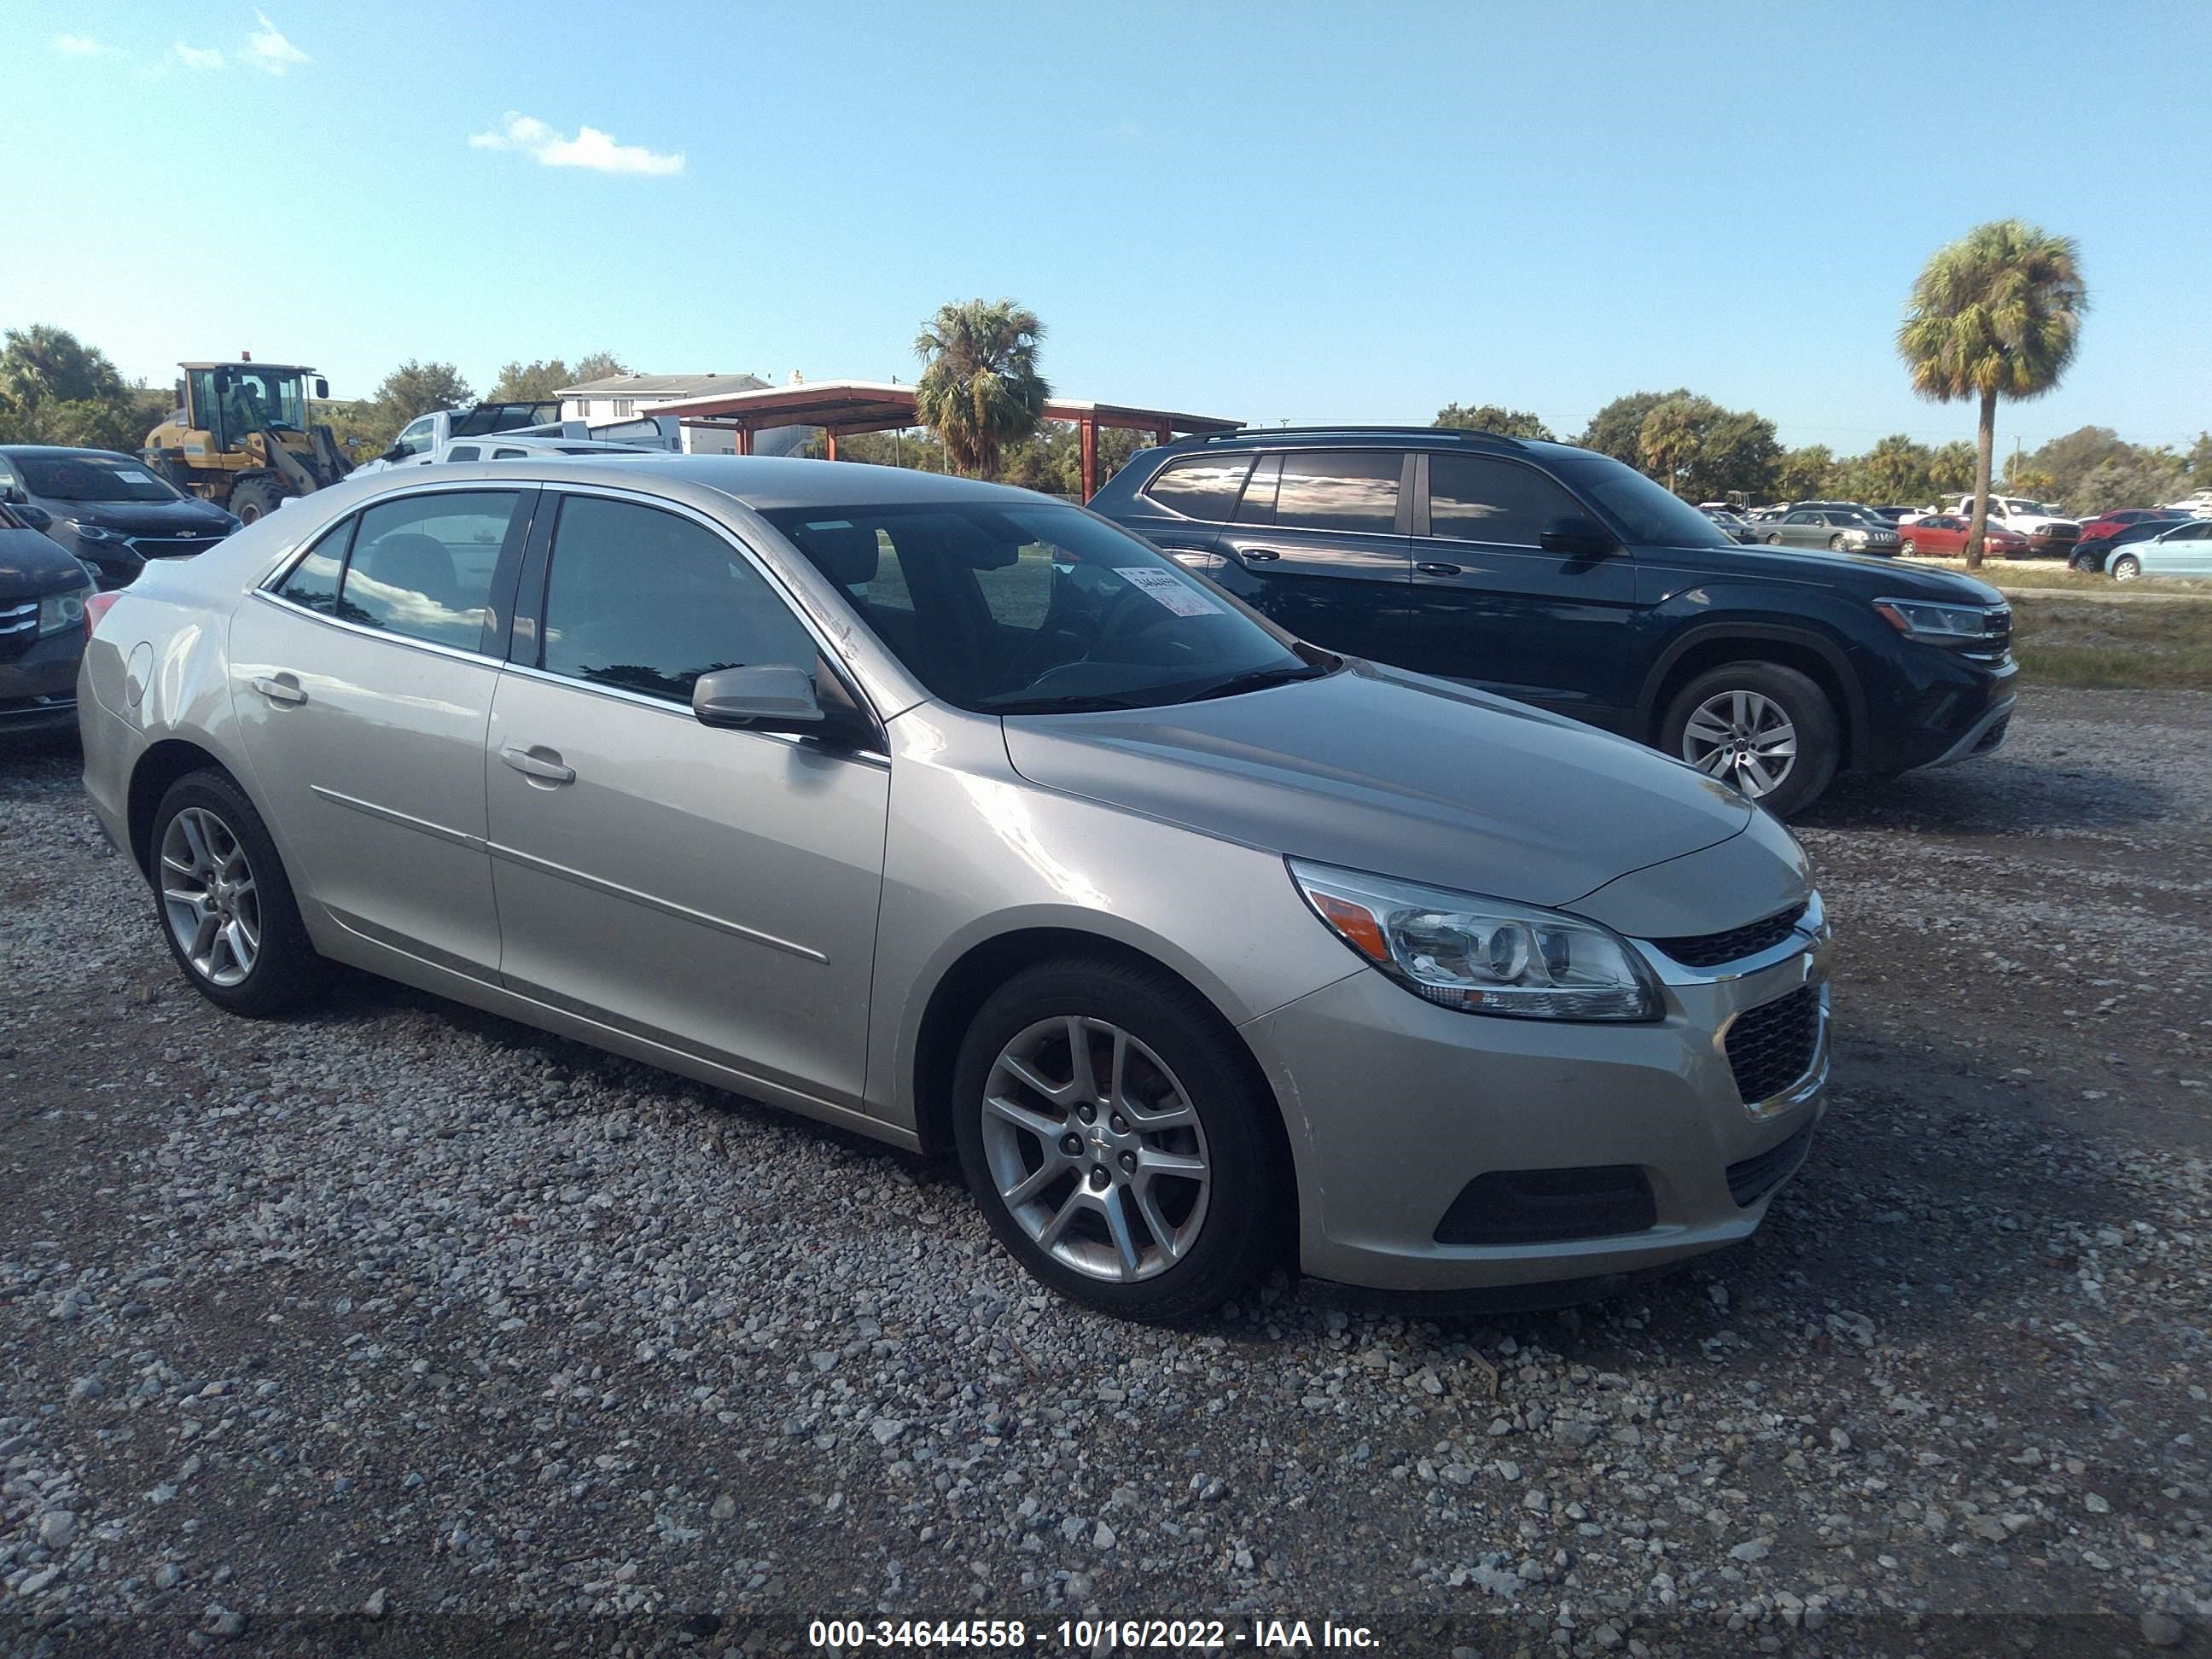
[1810, 934]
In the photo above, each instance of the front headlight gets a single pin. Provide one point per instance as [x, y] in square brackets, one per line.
[93, 533]
[1934, 624]
[60, 612]
[1482, 956]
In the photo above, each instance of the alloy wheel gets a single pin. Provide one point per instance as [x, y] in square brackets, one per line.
[1742, 738]
[210, 896]
[1096, 1149]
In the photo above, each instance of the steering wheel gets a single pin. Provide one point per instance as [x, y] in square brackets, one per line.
[1068, 640]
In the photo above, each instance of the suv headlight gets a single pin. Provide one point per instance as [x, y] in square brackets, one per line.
[1935, 624]
[60, 612]
[1482, 956]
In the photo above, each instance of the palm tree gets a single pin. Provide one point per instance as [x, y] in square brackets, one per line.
[1996, 314]
[1671, 436]
[981, 390]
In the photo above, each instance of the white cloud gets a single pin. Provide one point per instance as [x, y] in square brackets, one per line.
[269, 51]
[590, 148]
[83, 46]
[199, 57]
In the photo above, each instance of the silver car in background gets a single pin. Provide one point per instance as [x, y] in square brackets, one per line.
[963, 818]
[1839, 528]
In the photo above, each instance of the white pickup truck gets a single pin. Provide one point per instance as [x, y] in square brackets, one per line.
[2048, 530]
[427, 436]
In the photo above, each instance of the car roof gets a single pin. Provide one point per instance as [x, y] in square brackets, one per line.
[764, 483]
[1364, 437]
[63, 449]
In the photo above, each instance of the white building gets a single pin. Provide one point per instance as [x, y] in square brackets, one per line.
[623, 396]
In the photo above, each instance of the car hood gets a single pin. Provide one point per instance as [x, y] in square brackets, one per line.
[31, 565]
[1372, 769]
[1863, 575]
[139, 517]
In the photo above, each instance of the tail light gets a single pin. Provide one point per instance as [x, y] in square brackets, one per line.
[97, 607]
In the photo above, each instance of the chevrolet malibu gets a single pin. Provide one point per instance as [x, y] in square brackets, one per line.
[963, 818]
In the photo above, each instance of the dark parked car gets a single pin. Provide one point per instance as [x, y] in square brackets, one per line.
[113, 510]
[42, 595]
[2105, 525]
[1560, 577]
[2095, 552]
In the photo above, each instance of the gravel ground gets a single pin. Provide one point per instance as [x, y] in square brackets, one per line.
[361, 1332]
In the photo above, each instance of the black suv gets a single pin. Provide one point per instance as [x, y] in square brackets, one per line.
[1560, 577]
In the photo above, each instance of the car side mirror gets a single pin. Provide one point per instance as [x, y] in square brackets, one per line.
[13, 495]
[36, 517]
[1578, 536]
[397, 453]
[767, 697]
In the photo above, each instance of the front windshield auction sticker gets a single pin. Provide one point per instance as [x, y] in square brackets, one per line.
[1170, 591]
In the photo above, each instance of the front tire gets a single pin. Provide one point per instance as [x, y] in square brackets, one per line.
[2126, 568]
[256, 498]
[225, 904]
[1115, 1141]
[1907, 548]
[1764, 729]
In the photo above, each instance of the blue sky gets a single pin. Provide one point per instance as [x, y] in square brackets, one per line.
[1316, 212]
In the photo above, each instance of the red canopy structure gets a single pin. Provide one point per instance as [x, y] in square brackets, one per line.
[841, 408]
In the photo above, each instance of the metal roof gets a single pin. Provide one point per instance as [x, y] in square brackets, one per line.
[255, 362]
[662, 385]
[877, 405]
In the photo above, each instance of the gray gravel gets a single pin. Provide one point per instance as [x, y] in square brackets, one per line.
[406, 1310]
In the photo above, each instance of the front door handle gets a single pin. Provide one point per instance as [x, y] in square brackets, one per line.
[539, 763]
[1258, 554]
[1437, 569]
[281, 688]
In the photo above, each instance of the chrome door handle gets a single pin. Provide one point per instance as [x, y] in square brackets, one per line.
[536, 763]
[281, 688]
[1258, 554]
[1437, 569]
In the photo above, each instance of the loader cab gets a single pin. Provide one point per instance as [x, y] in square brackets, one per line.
[227, 401]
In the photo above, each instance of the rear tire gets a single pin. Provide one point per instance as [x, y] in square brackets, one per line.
[224, 904]
[1774, 540]
[1731, 723]
[256, 498]
[2126, 568]
[1112, 1224]
[1907, 548]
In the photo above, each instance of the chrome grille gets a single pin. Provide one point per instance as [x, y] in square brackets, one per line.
[1711, 950]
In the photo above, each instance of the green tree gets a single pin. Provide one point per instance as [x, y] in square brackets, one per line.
[1737, 454]
[1617, 428]
[1495, 417]
[2199, 459]
[1995, 314]
[1674, 434]
[1805, 474]
[546, 378]
[42, 363]
[980, 389]
[416, 388]
[917, 452]
[1894, 470]
[1951, 468]
[2140, 478]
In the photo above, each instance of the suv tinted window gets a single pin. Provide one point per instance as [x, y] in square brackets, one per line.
[422, 566]
[1486, 500]
[649, 601]
[1202, 486]
[1355, 491]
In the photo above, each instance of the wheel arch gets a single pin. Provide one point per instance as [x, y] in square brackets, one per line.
[155, 770]
[960, 991]
[1820, 658]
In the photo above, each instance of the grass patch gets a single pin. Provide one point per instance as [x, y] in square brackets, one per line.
[2010, 573]
[2113, 646]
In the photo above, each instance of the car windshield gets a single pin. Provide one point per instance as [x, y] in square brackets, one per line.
[90, 478]
[1652, 515]
[1016, 609]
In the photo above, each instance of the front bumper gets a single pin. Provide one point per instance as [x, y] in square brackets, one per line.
[38, 687]
[1397, 1106]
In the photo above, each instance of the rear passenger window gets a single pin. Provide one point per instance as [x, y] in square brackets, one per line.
[647, 601]
[314, 580]
[1201, 487]
[1357, 492]
[1481, 500]
[462, 452]
[421, 566]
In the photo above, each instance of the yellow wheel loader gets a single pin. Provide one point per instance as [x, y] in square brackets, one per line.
[242, 437]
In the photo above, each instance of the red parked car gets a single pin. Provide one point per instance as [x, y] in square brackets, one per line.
[2105, 524]
[1944, 534]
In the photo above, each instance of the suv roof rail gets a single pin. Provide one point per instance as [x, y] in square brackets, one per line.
[1360, 430]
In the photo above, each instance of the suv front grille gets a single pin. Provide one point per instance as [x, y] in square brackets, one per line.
[1710, 950]
[1771, 1046]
